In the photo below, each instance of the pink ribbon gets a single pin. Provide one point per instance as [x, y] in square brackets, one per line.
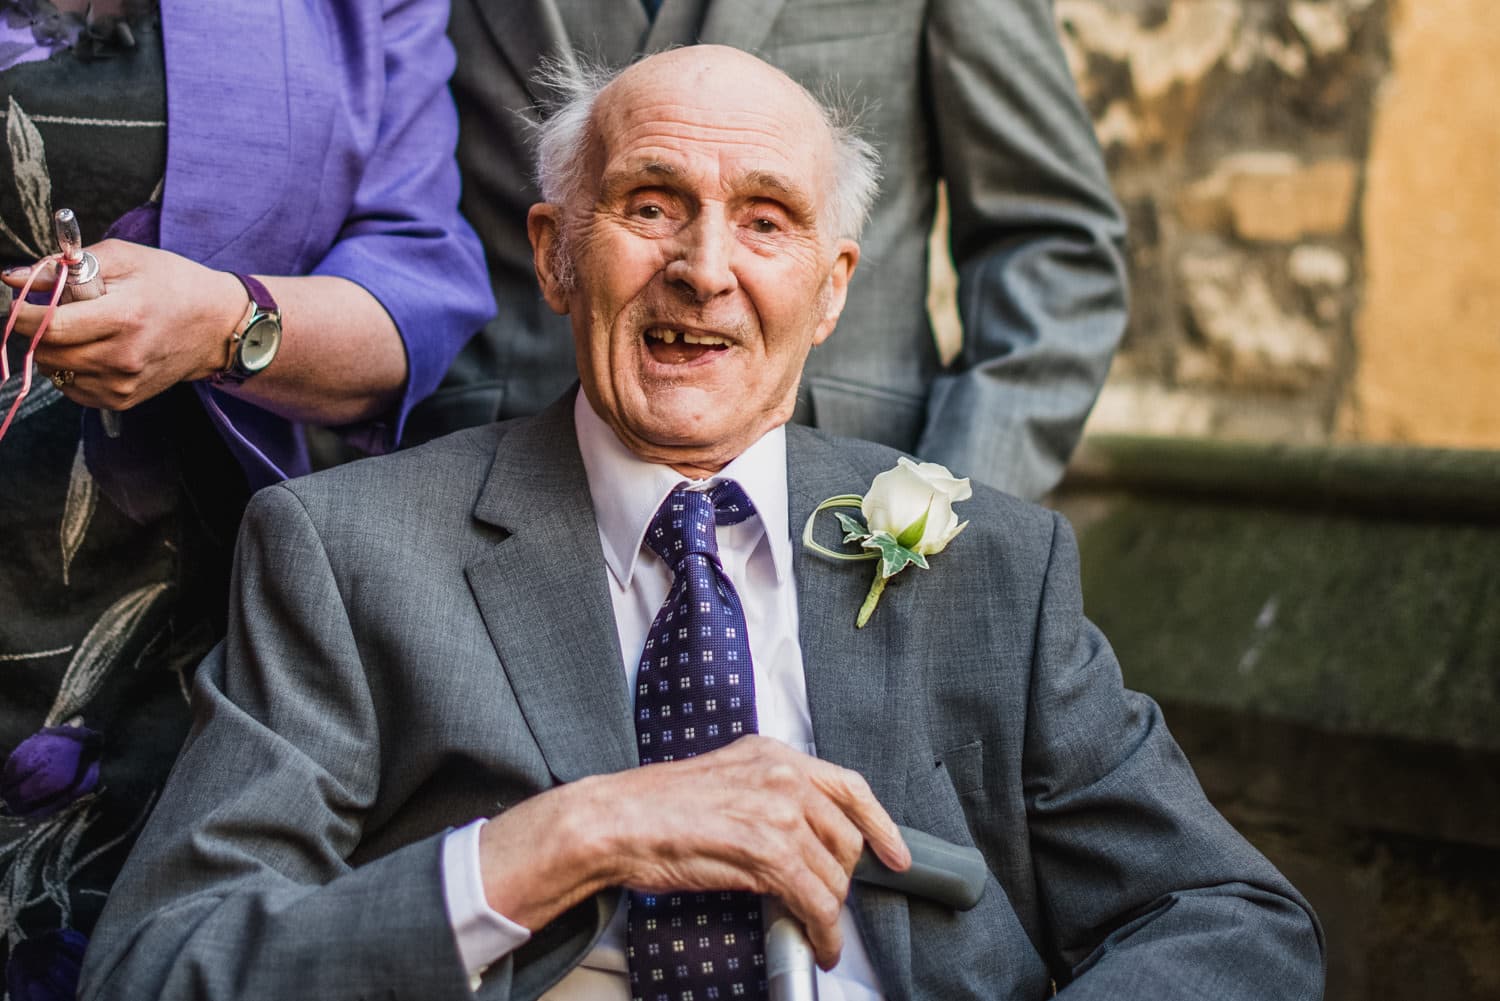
[36, 338]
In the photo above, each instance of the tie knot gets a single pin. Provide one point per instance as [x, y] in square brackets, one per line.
[686, 519]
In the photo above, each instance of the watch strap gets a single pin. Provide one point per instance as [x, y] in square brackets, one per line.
[259, 294]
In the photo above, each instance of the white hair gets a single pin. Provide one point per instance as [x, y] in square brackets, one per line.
[563, 144]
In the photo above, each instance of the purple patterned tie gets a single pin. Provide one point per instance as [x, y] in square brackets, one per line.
[694, 693]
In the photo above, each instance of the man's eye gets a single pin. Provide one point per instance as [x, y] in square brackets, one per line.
[649, 212]
[763, 224]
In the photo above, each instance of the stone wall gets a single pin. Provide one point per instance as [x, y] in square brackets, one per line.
[1312, 188]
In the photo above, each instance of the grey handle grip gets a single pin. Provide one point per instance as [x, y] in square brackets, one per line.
[940, 871]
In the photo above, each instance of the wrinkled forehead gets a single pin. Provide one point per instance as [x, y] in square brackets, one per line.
[741, 115]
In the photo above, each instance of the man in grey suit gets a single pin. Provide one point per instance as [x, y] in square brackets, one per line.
[974, 93]
[428, 761]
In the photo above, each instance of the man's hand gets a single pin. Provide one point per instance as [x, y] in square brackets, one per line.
[755, 815]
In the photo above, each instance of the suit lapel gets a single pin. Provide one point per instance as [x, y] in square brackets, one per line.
[743, 24]
[677, 23]
[526, 33]
[855, 692]
[615, 32]
[552, 624]
[545, 600]
[609, 31]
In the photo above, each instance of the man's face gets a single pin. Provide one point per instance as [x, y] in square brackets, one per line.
[704, 269]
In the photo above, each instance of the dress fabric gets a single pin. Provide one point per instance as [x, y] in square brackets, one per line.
[114, 553]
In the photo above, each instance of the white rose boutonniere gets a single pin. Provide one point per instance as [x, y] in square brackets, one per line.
[908, 514]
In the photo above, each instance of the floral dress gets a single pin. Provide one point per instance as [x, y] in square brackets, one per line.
[114, 552]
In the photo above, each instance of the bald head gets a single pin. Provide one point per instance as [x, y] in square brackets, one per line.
[716, 78]
[717, 75]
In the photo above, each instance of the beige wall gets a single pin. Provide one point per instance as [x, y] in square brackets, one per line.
[1314, 195]
[1428, 330]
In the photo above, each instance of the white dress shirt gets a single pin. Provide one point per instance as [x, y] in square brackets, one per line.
[757, 556]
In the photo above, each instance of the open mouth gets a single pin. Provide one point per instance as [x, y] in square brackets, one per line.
[670, 346]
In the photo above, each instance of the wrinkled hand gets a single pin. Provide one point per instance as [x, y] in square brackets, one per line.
[163, 320]
[755, 815]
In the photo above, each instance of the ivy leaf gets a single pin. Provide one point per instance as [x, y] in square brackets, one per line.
[894, 557]
[853, 530]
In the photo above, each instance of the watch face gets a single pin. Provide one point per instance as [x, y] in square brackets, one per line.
[259, 344]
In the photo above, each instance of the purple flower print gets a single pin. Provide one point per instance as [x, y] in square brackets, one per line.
[45, 968]
[49, 770]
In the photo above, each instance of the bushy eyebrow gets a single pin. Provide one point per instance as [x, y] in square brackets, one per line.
[792, 196]
[616, 182]
[752, 184]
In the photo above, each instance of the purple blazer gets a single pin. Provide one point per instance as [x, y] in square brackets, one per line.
[317, 137]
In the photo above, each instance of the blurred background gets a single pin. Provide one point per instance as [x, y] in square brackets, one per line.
[1288, 497]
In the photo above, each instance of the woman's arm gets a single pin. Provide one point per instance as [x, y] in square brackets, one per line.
[166, 319]
[399, 287]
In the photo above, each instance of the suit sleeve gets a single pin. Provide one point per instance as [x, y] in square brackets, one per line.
[1146, 890]
[404, 240]
[240, 885]
[1037, 239]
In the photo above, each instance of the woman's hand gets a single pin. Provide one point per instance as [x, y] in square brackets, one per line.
[163, 320]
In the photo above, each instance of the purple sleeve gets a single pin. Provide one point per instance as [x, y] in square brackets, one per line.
[403, 239]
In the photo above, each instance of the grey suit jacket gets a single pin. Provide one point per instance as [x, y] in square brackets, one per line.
[426, 638]
[975, 92]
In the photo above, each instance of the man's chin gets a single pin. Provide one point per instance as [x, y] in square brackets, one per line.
[700, 437]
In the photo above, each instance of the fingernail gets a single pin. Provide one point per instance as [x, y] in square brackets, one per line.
[19, 271]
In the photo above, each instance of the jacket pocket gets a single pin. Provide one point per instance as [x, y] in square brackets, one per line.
[965, 767]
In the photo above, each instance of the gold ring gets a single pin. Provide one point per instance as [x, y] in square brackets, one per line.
[63, 377]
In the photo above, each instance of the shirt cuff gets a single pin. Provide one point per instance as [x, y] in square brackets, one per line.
[483, 934]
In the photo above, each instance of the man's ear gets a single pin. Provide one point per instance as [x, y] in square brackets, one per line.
[543, 226]
[837, 288]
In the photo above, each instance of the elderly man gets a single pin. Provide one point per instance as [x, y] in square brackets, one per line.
[975, 94]
[540, 623]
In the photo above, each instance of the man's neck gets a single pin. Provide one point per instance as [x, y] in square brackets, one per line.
[627, 489]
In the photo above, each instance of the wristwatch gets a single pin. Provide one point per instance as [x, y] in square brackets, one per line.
[254, 343]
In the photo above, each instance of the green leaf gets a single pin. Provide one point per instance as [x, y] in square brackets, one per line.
[854, 530]
[811, 544]
[912, 534]
[894, 557]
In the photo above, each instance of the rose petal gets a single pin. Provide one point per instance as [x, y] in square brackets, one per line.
[897, 498]
[939, 478]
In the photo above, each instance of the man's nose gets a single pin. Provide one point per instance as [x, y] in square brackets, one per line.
[704, 264]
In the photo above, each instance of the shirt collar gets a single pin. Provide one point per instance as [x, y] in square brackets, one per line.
[627, 490]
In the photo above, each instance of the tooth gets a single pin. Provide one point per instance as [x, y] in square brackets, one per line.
[670, 336]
